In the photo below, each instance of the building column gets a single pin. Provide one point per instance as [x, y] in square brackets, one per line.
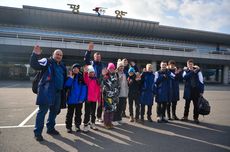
[154, 64]
[226, 75]
[27, 69]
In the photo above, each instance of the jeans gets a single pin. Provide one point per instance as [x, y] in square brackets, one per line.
[43, 109]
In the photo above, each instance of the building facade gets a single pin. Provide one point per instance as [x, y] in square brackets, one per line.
[138, 40]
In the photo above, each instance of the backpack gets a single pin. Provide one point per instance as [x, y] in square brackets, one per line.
[203, 106]
[36, 81]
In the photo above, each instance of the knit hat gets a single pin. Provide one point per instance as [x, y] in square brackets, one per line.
[119, 63]
[131, 70]
[76, 65]
[90, 68]
[111, 66]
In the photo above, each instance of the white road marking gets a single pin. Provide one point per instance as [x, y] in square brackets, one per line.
[24, 126]
[28, 118]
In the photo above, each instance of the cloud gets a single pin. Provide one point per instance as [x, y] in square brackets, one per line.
[196, 14]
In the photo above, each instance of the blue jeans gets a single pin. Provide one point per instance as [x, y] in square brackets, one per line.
[43, 109]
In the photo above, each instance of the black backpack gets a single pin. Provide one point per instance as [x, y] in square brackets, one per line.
[203, 106]
[36, 81]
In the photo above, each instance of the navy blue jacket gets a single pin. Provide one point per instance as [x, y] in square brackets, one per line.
[147, 88]
[98, 66]
[162, 82]
[198, 84]
[46, 86]
[174, 94]
[77, 89]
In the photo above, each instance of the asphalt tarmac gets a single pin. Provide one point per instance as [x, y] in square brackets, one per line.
[18, 112]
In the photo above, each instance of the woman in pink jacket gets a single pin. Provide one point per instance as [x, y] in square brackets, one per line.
[92, 98]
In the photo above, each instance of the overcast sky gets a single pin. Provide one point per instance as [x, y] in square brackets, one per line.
[208, 15]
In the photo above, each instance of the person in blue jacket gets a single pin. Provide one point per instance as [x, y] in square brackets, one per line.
[51, 93]
[98, 67]
[162, 82]
[76, 95]
[174, 95]
[147, 92]
[193, 89]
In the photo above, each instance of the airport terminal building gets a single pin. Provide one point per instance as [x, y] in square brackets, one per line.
[138, 40]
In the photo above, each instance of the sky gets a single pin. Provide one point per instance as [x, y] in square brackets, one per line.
[207, 15]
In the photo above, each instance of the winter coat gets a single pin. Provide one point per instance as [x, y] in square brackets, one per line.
[134, 86]
[162, 82]
[174, 94]
[193, 81]
[110, 91]
[98, 66]
[123, 83]
[77, 89]
[147, 88]
[46, 86]
[93, 85]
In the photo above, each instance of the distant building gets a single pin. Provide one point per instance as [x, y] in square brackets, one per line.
[139, 40]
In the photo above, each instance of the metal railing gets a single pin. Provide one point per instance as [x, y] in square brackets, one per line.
[35, 34]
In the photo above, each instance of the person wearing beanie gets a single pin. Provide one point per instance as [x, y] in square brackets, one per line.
[110, 94]
[134, 94]
[76, 96]
[98, 67]
[123, 83]
[93, 97]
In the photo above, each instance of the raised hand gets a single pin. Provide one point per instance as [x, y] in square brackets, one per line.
[85, 68]
[90, 46]
[104, 71]
[37, 50]
[71, 73]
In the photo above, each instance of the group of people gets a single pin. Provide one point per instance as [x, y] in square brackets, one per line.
[106, 88]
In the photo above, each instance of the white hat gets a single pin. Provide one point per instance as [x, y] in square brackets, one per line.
[119, 63]
[90, 68]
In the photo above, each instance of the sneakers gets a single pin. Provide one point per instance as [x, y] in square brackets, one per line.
[38, 138]
[93, 126]
[184, 118]
[69, 130]
[86, 128]
[78, 129]
[131, 119]
[53, 132]
[99, 120]
[164, 120]
[115, 123]
[159, 119]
